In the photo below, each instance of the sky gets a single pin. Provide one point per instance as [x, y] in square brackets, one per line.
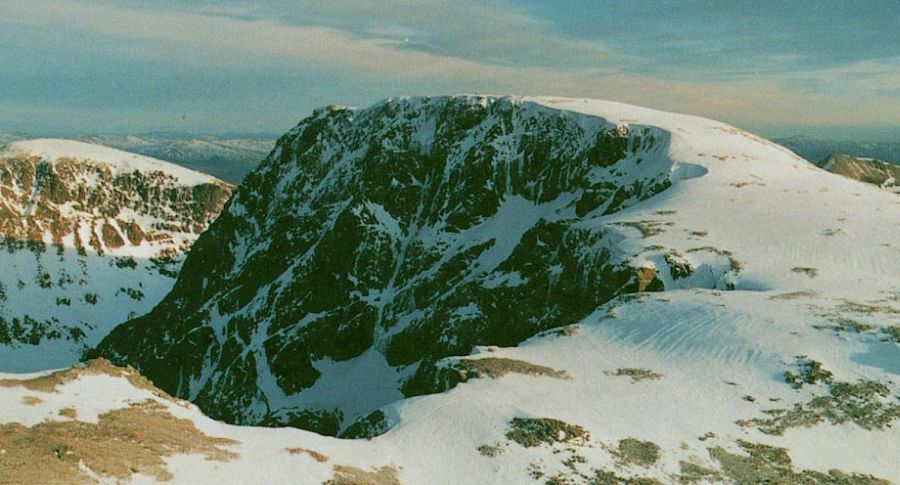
[778, 67]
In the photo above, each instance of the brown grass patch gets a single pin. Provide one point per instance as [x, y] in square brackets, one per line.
[768, 464]
[350, 475]
[50, 382]
[496, 367]
[319, 457]
[811, 272]
[646, 228]
[532, 432]
[70, 413]
[31, 400]
[794, 295]
[866, 308]
[123, 442]
[636, 374]
[636, 452]
[491, 450]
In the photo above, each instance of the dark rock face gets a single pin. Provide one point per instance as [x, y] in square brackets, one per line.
[401, 234]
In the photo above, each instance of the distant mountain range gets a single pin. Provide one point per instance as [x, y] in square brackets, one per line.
[817, 150]
[228, 157]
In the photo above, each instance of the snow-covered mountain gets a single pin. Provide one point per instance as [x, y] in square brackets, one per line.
[375, 245]
[816, 149]
[389, 238]
[868, 170]
[91, 236]
[605, 294]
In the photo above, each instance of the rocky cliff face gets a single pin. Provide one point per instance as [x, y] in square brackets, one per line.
[350, 251]
[90, 237]
[372, 243]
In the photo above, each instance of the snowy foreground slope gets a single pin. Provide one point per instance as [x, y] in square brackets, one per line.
[755, 338]
[91, 236]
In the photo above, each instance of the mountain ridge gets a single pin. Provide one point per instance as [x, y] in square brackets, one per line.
[864, 169]
[409, 231]
[771, 354]
[91, 236]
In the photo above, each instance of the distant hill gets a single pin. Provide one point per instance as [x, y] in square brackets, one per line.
[868, 170]
[814, 149]
[228, 157]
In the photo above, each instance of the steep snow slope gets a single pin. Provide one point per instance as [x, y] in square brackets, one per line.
[91, 236]
[374, 243]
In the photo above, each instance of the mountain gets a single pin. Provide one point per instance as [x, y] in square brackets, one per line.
[868, 170]
[91, 236]
[769, 355]
[230, 158]
[817, 149]
[373, 245]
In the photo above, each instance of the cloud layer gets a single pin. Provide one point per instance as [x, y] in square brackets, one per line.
[81, 65]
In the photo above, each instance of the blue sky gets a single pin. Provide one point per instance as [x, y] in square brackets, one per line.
[828, 68]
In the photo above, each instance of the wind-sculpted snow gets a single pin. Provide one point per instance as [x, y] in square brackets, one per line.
[90, 237]
[401, 234]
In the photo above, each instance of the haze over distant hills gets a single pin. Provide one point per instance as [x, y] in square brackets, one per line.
[816, 150]
[227, 156]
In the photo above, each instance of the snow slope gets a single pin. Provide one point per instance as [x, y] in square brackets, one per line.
[772, 353]
[51, 149]
[91, 236]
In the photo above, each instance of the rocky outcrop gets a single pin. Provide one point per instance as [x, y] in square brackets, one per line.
[90, 237]
[868, 170]
[400, 234]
